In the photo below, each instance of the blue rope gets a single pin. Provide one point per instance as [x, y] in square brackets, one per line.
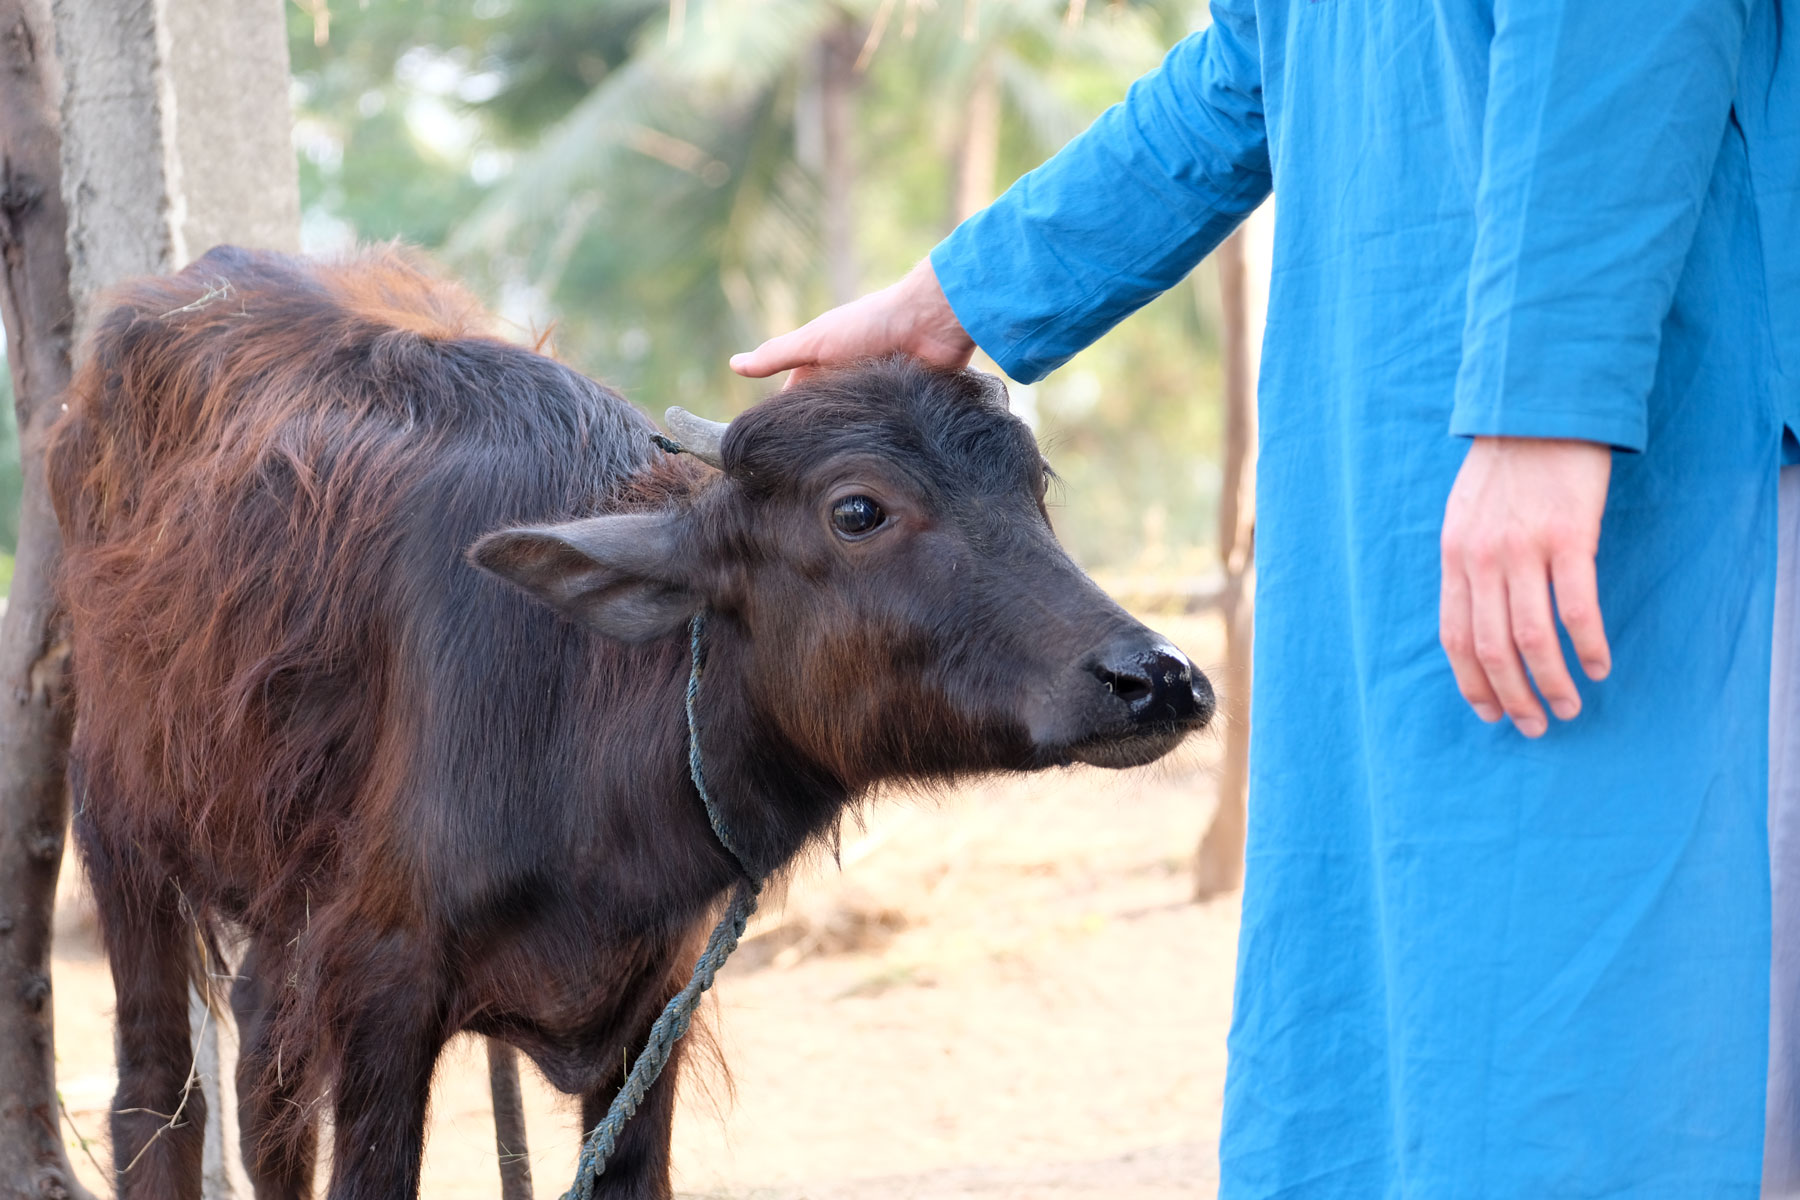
[679, 1012]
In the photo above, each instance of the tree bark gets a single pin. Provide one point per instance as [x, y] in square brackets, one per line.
[35, 714]
[1219, 862]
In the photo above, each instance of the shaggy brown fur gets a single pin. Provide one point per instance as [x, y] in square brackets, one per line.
[433, 803]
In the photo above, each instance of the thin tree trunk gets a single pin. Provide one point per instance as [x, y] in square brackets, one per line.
[838, 78]
[978, 145]
[35, 715]
[1219, 862]
[509, 1121]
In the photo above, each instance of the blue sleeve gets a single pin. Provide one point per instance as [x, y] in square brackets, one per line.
[1602, 128]
[1123, 212]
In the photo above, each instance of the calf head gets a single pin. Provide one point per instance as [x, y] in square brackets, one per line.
[884, 584]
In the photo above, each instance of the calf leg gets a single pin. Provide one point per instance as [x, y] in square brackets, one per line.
[279, 1145]
[639, 1166]
[393, 1029]
[159, 1112]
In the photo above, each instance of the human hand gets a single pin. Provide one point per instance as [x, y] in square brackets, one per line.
[1523, 519]
[911, 317]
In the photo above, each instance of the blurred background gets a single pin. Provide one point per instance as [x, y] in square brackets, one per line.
[661, 184]
[659, 188]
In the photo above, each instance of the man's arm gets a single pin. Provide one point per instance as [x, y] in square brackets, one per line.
[1123, 213]
[1120, 214]
[1603, 125]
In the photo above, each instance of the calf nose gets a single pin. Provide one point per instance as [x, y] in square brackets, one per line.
[1158, 684]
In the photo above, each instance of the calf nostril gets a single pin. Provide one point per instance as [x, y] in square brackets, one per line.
[1129, 684]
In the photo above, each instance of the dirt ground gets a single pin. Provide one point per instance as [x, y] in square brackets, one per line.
[1003, 992]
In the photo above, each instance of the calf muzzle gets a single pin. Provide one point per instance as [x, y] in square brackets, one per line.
[1157, 684]
[1124, 705]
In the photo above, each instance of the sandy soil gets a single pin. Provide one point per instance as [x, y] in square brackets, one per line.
[1003, 992]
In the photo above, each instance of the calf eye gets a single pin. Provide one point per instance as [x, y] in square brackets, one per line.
[854, 516]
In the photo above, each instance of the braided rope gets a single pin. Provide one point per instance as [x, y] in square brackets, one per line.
[676, 1016]
[697, 656]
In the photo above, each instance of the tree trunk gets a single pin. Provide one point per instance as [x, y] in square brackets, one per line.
[1219, 862]
[978, 145]
[838, 78]
[509, 1121]
[35, 714]
[176, 135]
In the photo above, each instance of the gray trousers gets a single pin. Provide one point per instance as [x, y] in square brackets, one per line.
[1781, 1142]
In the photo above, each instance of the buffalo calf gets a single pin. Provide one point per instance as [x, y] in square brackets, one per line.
[436, 789]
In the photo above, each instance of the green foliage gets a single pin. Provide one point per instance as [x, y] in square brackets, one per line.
[649, 179]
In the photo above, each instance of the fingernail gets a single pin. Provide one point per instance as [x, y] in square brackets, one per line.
[1487, 712]
[1532, 726]
[738, 358]
[1597, 670]
[1565, 710]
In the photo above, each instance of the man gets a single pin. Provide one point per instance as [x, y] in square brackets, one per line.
[1533, 341]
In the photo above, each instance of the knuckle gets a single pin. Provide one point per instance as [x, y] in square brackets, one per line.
[1519, 544]
[1578, 615]
[1533, 639]
[1490, 654]
[1483, 552]
[1561, 534]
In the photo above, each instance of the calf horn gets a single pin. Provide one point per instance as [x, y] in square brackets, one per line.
[697, 435]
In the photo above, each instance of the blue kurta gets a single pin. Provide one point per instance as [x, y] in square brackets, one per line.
[1472, 964]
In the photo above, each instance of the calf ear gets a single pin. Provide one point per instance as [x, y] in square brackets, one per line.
[620, 575]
